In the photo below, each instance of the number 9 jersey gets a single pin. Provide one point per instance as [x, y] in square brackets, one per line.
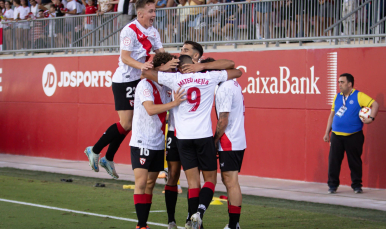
[192, 117]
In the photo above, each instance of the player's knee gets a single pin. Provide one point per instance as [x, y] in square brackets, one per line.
[227, 179]
[173, 178]
[126, 125]
[150, 184]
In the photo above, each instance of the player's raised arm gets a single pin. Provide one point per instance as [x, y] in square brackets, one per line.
[153, 109]
[150, 74]
[222, 64]
[128, 60]
[233, 73]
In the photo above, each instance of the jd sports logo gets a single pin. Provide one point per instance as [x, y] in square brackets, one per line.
[49, 80]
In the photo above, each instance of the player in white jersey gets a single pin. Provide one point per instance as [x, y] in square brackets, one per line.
[194, 129]
[147, 143]
[137, 39]
[230, 142]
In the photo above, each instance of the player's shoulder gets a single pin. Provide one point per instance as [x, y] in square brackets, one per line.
[144, 83]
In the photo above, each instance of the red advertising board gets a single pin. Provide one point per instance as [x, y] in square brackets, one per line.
[56, 107]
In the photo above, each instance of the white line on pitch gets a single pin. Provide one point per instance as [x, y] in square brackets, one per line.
[84, 213]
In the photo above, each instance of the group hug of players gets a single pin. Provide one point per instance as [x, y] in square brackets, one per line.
[185, 86]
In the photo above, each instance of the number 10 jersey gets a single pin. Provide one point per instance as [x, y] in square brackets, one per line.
[192, 117]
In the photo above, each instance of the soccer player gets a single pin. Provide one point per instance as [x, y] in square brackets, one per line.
[147, 143]
[192, 49]
[230, 143]
[138, 38]
[194, 128]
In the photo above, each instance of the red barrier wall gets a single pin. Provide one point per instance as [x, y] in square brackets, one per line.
[287, 96]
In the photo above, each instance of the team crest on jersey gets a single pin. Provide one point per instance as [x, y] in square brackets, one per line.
[351, 102]
[169, 93]
[142, 161]
[126, 41]
[132, 103]
[146, 92]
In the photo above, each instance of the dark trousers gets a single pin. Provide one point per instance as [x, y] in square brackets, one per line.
[353, 145]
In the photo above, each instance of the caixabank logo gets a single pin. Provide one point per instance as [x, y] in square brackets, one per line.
[288, 83]
[51, 81]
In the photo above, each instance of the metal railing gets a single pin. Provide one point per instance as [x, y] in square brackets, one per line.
[266, 21]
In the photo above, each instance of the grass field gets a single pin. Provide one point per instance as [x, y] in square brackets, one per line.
[81, 195]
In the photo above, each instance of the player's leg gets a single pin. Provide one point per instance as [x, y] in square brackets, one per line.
[174, 171]
[230, 164]
[156, 158]
[141, 160]
[189, 163]
[206, 154]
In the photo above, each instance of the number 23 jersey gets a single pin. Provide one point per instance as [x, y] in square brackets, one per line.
[192, 117]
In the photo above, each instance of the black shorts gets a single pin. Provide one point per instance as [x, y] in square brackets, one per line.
[152, 160]
[124, 95]
[231, 160]
[199, 153]
[171, 147]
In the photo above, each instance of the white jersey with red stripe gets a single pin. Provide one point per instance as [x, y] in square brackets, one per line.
[139, 41]
[149, 131]
[192, 117]
[229, 98]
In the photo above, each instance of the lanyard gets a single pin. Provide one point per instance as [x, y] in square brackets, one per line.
[345, 99]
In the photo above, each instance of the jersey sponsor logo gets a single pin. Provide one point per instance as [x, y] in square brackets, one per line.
[146, 93]
[132, 103]
[140, 35]
[126, 41]
[142, 161]
[51, 80]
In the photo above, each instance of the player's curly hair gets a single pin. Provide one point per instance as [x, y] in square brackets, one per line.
[162, 58]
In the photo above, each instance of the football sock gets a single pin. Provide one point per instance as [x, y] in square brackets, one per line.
[206, 196]
[116, 142]
[234, 216]
[149, 198]
[193, 199]
[141, 207]
[171, 194]
[111, 133]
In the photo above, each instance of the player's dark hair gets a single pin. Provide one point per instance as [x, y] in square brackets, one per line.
[196, 46]
[349, 78]
[185, 59]
[207, 60]
[140, 4]
[162, 58]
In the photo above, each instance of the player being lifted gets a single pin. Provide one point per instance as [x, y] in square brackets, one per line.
[147, 143]
[194, 128]
[137, 39]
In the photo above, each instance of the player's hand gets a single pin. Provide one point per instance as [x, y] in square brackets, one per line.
[146, 66]
[172, 64]
[178, 96]
[367, 120]
[189, 68]
[326, 138]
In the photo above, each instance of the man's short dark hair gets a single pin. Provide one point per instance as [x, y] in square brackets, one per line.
[162, 58]
[207, 60]
[185, 59]
[349, 78]
[196, 46]
[142, 3]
